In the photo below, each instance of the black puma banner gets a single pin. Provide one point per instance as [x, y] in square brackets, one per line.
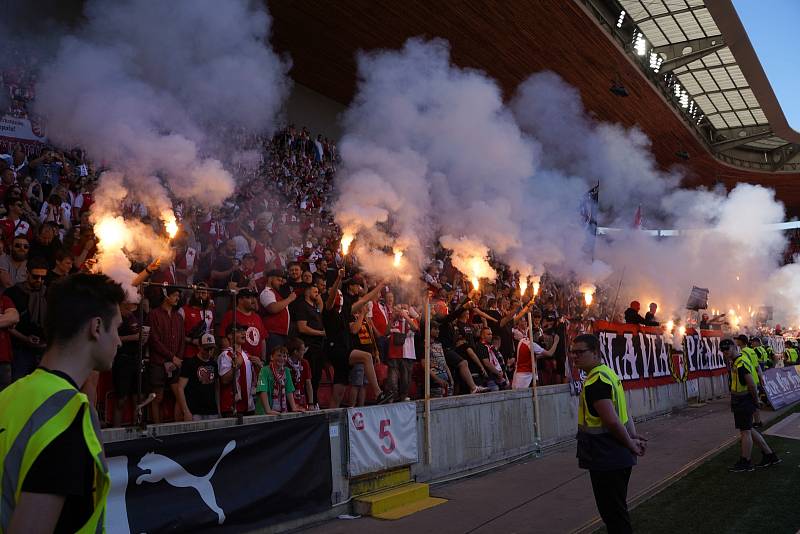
[227, 480]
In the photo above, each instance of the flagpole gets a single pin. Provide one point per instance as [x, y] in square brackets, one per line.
[534, 364]
[428, 452]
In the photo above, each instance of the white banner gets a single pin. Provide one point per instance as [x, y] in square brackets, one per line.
[21, 129]
[381, 437]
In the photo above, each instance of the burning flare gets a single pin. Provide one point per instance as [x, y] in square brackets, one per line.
[476, 283]
[398, 255]
[681, 331]
[111, 232]
[347, 240]
[535, 288]
[670, 325]
[523, 285]
[588, 293]
[170, 223]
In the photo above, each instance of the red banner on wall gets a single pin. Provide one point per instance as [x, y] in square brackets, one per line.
[643, 356]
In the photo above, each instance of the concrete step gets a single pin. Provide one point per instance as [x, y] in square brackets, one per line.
[380, 481]
[396, 502]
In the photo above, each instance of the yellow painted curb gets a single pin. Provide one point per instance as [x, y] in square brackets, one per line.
[383, 501]
[414, 507]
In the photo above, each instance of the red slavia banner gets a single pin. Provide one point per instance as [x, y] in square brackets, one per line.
[646, 356]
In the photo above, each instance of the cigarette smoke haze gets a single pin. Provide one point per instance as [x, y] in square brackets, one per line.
[432, 150]
[150, 90]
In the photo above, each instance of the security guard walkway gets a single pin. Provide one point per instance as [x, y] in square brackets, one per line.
[551, 494]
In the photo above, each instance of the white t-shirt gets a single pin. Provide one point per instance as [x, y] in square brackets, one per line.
[224, 363]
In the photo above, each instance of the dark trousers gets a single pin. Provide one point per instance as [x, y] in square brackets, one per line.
[611, 495]
[316, 358]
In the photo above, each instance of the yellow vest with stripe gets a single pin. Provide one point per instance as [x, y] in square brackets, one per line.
[33, 412]
[592, 424]
[737, 386]
[791, 355]
[751, 355]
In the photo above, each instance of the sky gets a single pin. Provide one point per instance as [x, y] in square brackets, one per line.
[772, 28]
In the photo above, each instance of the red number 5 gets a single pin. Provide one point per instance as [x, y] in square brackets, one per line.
[384, 433]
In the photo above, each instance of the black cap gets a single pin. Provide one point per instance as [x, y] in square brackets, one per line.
[247, 292]
[742, 338]
[275, 272]
[549, 316]
[725, 344]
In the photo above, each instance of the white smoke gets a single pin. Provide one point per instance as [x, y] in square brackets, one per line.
[726, 244]
[430, 149]
[150, 89]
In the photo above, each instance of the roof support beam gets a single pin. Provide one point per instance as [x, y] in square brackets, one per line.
[738, 141]
[674, 56]
[744, 131]
[669, 13]
[727, 111]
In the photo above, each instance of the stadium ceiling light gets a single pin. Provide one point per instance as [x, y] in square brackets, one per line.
[640, 45]
[621, 18]
[684, 99]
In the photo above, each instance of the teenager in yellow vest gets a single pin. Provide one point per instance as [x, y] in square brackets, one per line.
[607, 441]
[744, 403]
[53, 470]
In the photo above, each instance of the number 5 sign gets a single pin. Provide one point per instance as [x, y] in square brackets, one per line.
[381, 437]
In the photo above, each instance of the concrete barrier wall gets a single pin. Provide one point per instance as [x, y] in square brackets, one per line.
[468, 432]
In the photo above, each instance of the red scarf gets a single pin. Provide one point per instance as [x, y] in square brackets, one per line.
[279, 389]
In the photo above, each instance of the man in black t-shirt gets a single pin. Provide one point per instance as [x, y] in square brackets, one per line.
[198, 384]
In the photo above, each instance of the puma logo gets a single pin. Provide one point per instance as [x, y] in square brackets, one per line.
[160, 468]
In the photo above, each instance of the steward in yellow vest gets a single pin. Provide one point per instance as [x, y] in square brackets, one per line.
[790, 356]
[607, 441]
[755, 371]
[744, 404]
[761, 353]
[53, 473]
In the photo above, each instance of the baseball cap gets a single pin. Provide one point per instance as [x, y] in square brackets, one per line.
[275, 272]
[208, 340]
[247, 292]
[549, 316]
[742, 338]
[725, 344]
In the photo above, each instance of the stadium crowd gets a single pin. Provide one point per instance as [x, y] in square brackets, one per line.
[310, 330]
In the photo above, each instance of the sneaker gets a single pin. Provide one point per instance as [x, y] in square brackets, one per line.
[768, 460]
[383, 398]
[741, 466]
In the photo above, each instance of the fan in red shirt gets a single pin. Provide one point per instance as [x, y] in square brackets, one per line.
[256, 335]
[8, 318]
[198, 318]
[12, 225]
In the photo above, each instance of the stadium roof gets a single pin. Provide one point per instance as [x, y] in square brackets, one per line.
[729, 101]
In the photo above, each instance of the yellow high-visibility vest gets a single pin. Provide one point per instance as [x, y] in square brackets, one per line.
[33, 412]
[737, 386]
[590, 423]
[753, 358]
